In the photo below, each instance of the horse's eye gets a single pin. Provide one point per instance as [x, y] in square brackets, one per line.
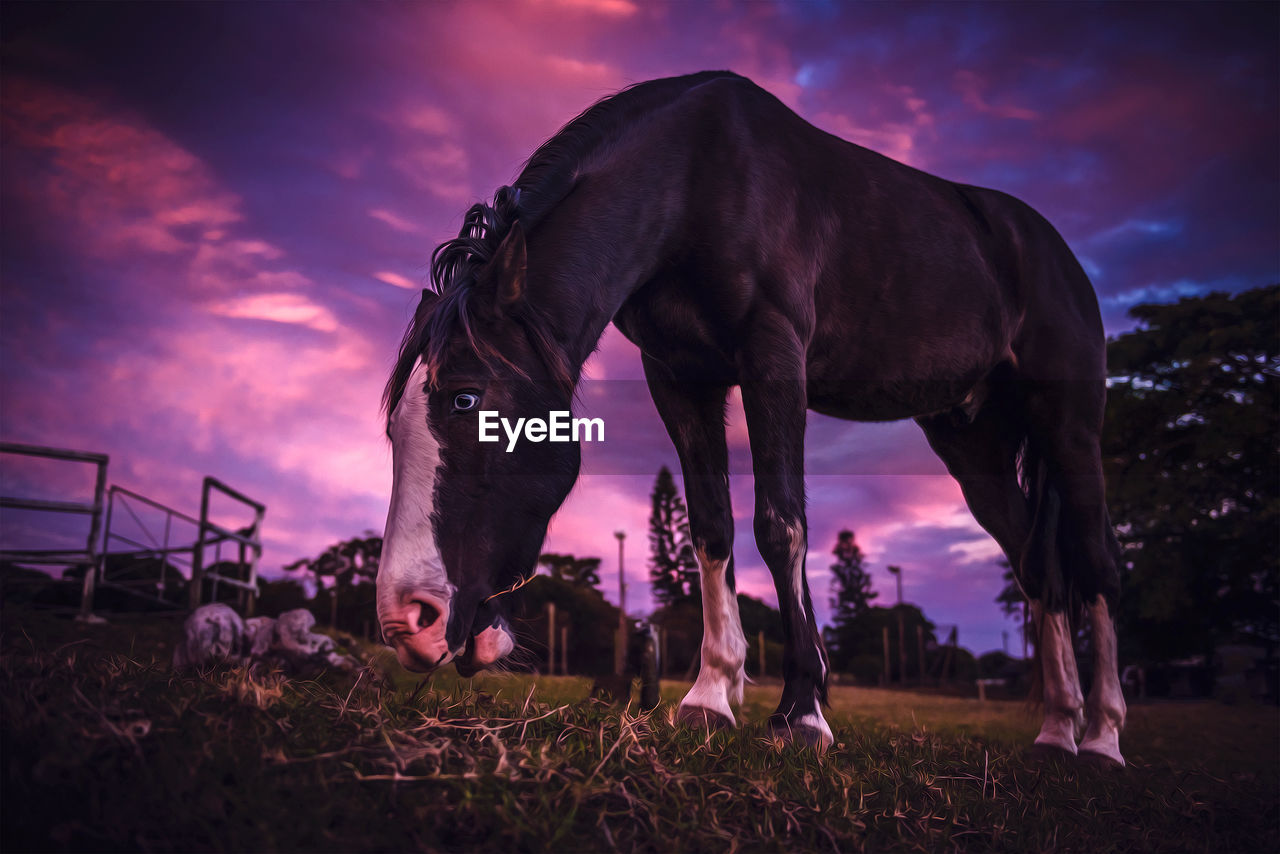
[465, 400]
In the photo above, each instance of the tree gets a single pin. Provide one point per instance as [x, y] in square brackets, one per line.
[582, 609]
[1193, 470]
[1190, 446]
[860, 645]
[347, 570]
[1011, 601]
[673, 568]
[582, 572]
[851, 597]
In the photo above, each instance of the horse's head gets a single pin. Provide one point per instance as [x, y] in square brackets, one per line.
[467, 518]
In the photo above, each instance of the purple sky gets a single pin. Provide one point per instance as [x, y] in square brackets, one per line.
[216, 218]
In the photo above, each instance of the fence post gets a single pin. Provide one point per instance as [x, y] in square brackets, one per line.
[551, 638]
[885, 638]
[920, 650]
[196, 591]
[902, 646]
[760, 646]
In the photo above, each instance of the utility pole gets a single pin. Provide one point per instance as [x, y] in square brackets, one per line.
[551, 638]
[886, 656]
[902, 630]
[620, 647]
[920, 649]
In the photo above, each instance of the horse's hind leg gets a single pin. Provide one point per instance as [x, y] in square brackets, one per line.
[694, 415]
[982, 456]
[1105, 709]
[981, 453]
[1076, 555]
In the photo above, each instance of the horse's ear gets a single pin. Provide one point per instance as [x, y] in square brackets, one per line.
[510, 264]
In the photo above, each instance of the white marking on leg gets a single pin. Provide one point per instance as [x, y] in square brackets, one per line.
[724, 648]
[795, 565]
[1105, 712]
[1063, 702]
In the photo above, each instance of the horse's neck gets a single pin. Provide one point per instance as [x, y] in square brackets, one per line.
[597, 254]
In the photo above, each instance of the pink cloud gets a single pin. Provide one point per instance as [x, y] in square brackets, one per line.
[397, 222]
[973, 86]
[278, 308]
[123, 185]
[427, 119]
[608, 8]
[439, 168]
[397, 280]
[595, 73]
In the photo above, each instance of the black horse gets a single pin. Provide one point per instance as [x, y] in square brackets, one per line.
[736, 244]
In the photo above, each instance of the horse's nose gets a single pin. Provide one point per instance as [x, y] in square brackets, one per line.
[416, 630]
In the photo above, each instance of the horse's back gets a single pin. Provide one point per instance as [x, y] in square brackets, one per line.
[905, 288]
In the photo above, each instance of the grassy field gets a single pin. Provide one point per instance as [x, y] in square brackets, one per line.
[104, 748]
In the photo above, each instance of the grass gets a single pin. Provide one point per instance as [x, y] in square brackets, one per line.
[105, 748]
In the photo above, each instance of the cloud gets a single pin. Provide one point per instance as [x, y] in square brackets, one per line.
[595, 73]
[440, 168]
[608, 8]
[396, 279]
[121, 184]
[428, 119]
[399, 223]
[972, 87]
[278, 308]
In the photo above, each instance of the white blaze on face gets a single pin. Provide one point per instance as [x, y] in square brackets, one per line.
[411, 567]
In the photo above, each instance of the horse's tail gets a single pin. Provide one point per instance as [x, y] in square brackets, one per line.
[1044, 575]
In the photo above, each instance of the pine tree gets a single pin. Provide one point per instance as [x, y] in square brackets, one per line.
[673, 569]
[851, 596]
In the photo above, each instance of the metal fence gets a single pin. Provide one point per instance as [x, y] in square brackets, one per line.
[150, 565]
[88, 556]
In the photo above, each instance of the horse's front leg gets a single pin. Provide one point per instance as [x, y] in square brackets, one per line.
[694, 415]
[775, 401]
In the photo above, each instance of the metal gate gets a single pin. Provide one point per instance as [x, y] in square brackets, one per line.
[158, 542]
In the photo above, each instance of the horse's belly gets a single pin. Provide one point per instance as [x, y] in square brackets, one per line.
[858, 400]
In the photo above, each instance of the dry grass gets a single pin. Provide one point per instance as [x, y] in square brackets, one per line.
[105, 748]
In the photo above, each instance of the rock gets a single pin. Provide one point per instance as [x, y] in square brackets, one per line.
[211, 634]
[260, 632]
[215, 633]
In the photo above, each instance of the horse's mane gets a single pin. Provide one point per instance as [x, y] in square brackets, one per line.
[546, 178]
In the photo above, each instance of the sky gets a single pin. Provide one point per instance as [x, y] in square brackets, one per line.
[217, 217]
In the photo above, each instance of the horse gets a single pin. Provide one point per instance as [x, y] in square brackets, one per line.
[737, 245]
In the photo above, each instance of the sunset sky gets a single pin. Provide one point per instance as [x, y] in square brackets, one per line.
[216, 219]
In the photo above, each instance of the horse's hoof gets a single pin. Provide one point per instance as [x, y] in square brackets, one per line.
[1099, 761]
[703, 718]
[1041, 753]
[798, 732]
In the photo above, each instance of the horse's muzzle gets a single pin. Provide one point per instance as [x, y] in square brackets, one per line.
[417, 631]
